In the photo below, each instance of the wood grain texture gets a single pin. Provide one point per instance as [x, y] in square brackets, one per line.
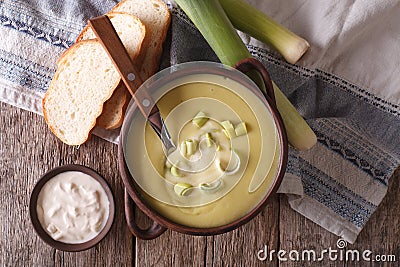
[381, 234]
[300, 234]
[170, 249]
[240, 247]
[236, 248]
[28, 149]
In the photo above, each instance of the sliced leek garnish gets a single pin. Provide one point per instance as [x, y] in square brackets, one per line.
[211, 186]
[209, 140]
[200, 119]
[229, 130]
[241, 129]
[182, 189]
[191, 147]
[230, 170]
[175, 171]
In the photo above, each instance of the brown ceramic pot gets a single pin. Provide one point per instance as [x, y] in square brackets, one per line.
[160, 223]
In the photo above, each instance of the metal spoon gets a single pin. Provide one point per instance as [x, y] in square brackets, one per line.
[108, 37]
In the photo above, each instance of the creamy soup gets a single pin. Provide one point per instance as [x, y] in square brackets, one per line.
[231, 195]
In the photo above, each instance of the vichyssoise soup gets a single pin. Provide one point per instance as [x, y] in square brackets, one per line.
[227, 152]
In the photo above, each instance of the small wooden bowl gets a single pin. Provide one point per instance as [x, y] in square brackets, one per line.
[34, 216]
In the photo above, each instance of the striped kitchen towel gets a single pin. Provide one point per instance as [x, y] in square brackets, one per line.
[346, 87]
[340, 182]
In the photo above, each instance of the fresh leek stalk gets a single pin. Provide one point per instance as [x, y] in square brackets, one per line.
[252, 21]
[213, 23]
[299, 134]
[217, 29]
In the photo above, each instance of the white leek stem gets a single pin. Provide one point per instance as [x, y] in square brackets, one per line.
[252, 21]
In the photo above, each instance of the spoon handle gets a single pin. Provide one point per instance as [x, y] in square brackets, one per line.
[108, 37]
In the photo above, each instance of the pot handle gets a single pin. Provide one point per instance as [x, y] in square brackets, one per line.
[248, 64]
[155, 230]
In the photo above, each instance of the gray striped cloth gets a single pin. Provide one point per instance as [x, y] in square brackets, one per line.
[338, 183]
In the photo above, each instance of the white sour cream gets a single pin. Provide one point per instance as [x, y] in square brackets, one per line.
[72, 207]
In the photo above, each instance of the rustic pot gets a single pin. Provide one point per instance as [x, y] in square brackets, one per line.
[132, 194]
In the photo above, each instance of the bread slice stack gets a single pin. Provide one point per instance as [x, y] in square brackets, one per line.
[133, 36]
[78, 90]
[156, 17]
[86, 89]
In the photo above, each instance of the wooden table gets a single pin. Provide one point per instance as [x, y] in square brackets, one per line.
[28, 149]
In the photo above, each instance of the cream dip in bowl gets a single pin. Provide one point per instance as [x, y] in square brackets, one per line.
[72, 208]
[240, 145]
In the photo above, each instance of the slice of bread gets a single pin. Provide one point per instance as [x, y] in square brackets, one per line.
[84, 80]
[133, 35]
[154, 14]
[114, 109]
[156, 17]
[130, 30]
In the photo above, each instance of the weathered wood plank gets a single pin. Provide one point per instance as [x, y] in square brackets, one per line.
[237, 248]
[381, 234]
[300, 234]
[28, 149]
[22, 161]
[170, 249]
[240, 247]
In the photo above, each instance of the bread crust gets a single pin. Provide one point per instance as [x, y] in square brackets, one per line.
[144, 71]
[147, 71]
[63, 63]
[112, 117]
[100, 118]
[117, 102]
